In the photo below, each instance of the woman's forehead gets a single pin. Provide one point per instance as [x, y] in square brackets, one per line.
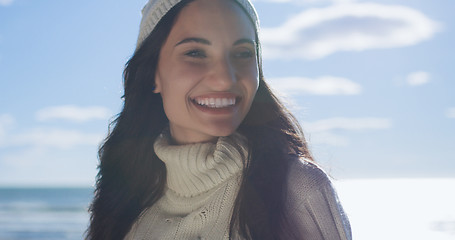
[213, 19]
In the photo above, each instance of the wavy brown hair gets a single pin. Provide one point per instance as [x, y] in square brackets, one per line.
[132, 178]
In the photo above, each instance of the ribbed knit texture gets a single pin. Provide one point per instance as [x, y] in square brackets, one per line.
[202, 183]
[196, 168]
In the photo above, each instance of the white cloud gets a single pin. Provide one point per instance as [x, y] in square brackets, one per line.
[46, 156]
[44, 137]
[418, 78]
[450, 112]
[326, 85]
[348, 124]
[6, 121]
[318, 32]
[305, 1]
[321, 131]
[292, 1]
[53, 138]
[5, 2]
[41, 166]
[327, 138]
[280, 1]
[73, 113]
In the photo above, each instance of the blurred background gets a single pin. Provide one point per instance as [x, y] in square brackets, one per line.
[371, 82]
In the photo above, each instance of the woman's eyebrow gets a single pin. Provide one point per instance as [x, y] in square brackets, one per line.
[245, 40]
[194, 39]
[207, 42]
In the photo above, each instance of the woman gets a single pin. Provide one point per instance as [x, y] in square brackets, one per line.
[202, 149]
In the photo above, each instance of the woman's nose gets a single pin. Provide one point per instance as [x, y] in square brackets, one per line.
[223, 75]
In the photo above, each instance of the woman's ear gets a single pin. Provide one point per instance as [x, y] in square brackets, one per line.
[157, 88]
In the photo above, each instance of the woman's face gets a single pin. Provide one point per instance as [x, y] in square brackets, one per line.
[207, 71]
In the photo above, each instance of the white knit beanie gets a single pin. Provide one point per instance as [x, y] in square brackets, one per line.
[154, 10]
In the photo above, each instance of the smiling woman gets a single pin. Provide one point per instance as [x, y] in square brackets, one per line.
[202, 148]
[207, 71]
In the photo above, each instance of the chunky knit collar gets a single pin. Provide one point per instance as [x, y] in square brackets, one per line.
[193, 169]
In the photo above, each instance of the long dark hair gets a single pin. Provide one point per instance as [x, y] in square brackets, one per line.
[131, 177]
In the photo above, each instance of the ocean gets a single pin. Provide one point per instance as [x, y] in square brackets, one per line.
[44, 213]
[392, 209]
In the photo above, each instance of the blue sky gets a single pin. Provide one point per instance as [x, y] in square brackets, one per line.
[370, 82]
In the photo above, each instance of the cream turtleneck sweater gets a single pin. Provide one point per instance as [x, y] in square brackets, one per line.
[202, 183]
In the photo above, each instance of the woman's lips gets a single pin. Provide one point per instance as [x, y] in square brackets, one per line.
[212, 102]
[216, 103]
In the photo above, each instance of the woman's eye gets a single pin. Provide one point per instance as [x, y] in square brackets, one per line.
[244, 54]
[196, 54]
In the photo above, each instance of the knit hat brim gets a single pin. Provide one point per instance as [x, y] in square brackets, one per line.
[155, 10]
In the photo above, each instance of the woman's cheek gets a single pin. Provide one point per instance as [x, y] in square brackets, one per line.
[191, 71]
[248, 68]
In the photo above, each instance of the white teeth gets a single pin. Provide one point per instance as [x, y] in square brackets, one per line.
[215, 102]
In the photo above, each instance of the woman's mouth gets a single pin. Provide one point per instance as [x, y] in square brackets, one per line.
[215, 103]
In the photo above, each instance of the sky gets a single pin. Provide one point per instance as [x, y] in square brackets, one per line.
[369, 81]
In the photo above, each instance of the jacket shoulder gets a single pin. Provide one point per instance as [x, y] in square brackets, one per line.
[305, 175]
[313, 205]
